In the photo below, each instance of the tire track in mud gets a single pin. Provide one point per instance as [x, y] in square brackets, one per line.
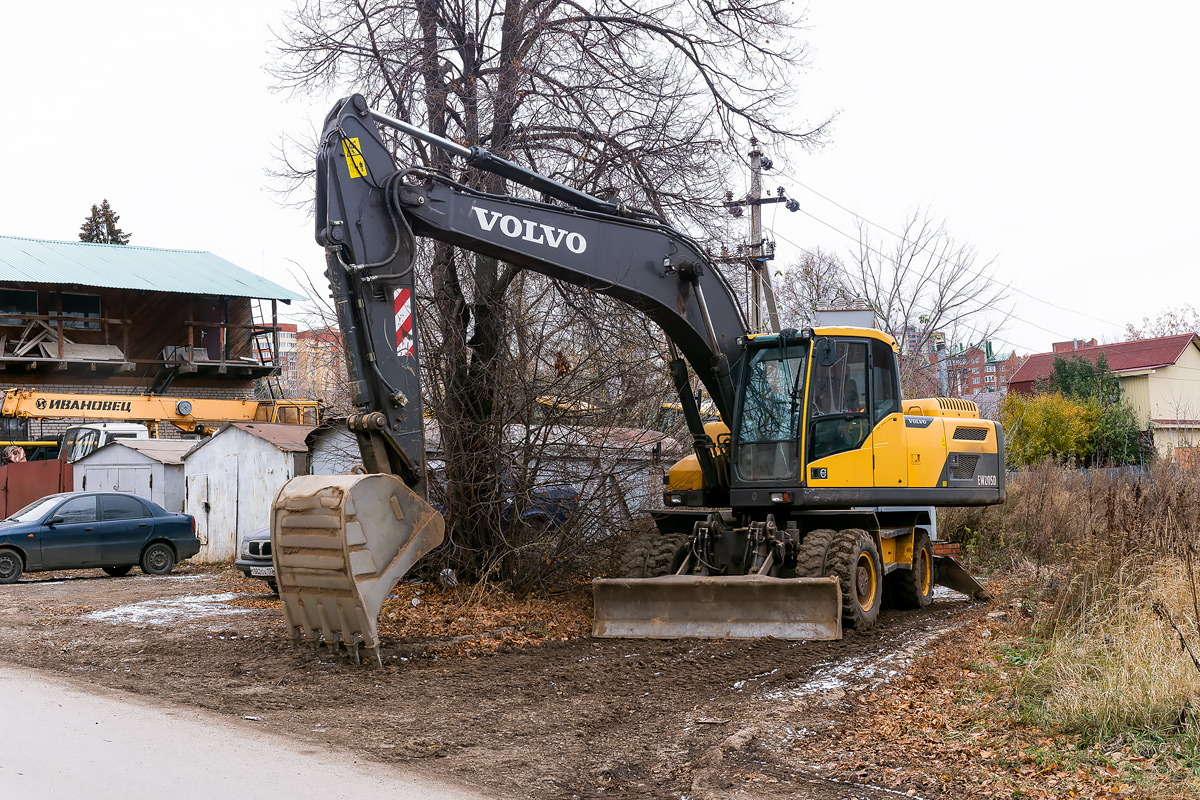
[581, 718]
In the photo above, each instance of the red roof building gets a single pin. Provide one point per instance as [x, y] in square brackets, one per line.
[1160, 379]
[1135, 356]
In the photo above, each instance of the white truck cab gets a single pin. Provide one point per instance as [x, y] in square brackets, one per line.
[79, 440]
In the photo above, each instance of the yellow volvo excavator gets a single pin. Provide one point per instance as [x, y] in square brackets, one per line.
[801, 511]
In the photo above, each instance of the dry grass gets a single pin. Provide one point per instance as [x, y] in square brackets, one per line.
[1119, 666]
[1055, 515]
[1107, 658]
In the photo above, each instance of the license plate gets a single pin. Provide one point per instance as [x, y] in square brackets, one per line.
[263, 572]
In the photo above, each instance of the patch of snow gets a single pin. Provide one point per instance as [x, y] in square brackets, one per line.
[946, 593]
[37, 581]
[868, 671]
[742, 683]
[885, 790]
[170, 610]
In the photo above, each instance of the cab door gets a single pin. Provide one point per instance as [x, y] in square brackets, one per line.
[889, 440]
[839, 427]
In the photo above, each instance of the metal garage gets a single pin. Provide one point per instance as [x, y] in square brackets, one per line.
[149, 468]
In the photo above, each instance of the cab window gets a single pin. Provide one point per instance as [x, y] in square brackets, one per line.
[78, 442]
[78, 509]
[838, 401]
[885, 385]
[771, 412]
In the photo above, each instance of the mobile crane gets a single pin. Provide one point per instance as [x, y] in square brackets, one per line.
[191, 415]
[796, 510]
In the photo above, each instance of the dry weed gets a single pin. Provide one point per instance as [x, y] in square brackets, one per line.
[1117, 665]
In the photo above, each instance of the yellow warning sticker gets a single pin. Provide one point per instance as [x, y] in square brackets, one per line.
[354, 159]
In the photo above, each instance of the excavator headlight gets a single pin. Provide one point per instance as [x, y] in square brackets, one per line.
[675, 499]
[781, 497]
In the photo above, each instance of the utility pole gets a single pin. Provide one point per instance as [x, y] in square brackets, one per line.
[757, 252]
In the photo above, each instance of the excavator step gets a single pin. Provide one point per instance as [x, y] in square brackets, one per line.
[340, 543]
[738, 607]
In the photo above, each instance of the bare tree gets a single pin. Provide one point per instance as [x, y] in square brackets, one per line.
[642, 102]
[1169, 322]
[923, 283]
[818, 278]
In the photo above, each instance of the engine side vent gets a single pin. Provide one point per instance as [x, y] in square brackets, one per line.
[970, 434]
[957, 404]
[964, 470]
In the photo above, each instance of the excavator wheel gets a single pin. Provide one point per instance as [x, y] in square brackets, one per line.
[913, 588]
[854, 559]
[651, 554]
[813, 559]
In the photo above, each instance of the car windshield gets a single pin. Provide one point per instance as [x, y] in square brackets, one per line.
[77, 443]
[35, 510]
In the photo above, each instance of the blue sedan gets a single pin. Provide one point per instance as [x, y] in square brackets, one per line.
[109, 530]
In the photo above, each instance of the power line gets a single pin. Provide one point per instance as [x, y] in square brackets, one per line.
[882, 255]
[960, 266]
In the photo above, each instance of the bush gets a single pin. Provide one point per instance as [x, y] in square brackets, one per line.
[1110, 549]
[1056, 516]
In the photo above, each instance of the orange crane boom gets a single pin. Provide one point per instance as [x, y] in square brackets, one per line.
[185, 414]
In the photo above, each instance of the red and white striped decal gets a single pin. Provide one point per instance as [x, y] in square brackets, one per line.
[404, 323]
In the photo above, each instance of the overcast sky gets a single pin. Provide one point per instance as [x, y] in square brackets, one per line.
[1059, 139]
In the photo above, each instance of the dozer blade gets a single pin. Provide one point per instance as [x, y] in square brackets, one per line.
[339, 544]
[738, 607]
[950, 573]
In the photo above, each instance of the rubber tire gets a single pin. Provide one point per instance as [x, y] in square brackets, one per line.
[651, 554]
[11, 566]
[905, 585]
[850, 548]
[117, 572]
[812, 561]
[158, 559]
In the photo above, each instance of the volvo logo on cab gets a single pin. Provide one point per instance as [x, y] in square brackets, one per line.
[530, 231]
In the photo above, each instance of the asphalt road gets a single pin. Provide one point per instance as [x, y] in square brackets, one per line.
[62, 740]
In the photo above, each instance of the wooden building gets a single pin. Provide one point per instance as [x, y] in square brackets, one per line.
[116, 319]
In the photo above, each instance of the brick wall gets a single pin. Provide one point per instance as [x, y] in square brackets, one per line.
[951, 549]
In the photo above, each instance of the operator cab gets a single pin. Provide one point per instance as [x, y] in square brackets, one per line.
[809, 395]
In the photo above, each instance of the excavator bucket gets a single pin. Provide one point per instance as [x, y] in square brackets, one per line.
[339, 544]
[736, 607]
[952, 575]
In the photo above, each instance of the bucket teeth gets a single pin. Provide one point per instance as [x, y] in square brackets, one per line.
[339, 544]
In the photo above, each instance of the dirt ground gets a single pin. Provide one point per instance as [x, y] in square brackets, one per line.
[567, 718]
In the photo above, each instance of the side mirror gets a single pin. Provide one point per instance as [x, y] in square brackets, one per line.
[826, 352]
[57, 519]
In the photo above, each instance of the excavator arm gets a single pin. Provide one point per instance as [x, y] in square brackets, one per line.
[339, 546]
[368, 213]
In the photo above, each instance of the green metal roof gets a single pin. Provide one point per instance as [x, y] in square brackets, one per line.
[118, 266]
